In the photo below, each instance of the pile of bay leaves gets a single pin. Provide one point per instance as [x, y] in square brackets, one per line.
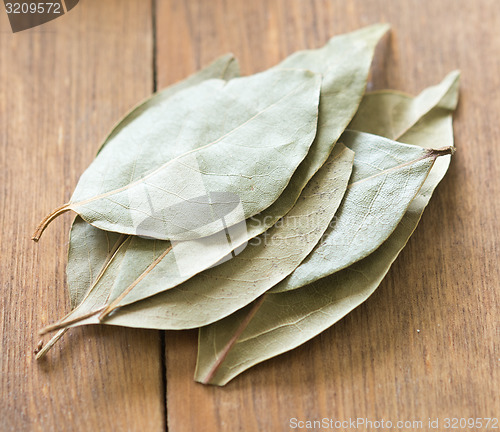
[259, 209]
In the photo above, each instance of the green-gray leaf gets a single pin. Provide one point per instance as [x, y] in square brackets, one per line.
[386, 177]
[134, 186]
[279, 322]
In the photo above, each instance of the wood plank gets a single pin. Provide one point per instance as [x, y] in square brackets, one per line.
[426, 344]
[63, 85]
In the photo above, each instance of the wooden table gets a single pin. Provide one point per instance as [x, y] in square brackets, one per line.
[425, 345]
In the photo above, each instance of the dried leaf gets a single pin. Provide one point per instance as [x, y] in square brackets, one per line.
[219, 291]
[386, 177]
[134, 186]
[279, 322]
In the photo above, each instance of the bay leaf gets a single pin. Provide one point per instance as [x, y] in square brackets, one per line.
[347, 241]
[219, 291]
[90, 248]
[134, 186]
[346, 77]
[279, 322]
[386, 177]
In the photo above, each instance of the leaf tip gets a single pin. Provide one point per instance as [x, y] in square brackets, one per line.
[382, 28]
[41, 350]
[38, 348]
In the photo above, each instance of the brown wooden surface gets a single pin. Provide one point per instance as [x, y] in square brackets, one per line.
[425, 345]
[62, 86]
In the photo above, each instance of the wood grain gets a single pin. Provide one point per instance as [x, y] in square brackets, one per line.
[426, 345]
[62, 86]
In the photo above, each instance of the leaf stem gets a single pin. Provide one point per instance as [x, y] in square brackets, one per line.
[66, 323]
[114, 304]
[443, 151]
[47, 220]
[45, 349]
[232, 341]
